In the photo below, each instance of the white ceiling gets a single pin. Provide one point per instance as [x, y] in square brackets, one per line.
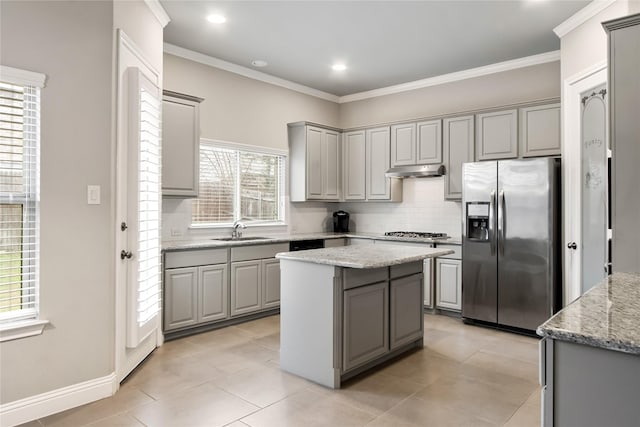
[383, 43]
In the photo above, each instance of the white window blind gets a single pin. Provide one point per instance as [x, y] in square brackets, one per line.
[145, 139]
[238, 184]
[19, 193]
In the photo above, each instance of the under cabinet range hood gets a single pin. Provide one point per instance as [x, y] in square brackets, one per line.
[415, 171]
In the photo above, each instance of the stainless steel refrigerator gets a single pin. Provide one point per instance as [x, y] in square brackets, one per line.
[511, 268]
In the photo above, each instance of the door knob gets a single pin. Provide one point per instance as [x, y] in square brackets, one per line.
[124, 254]
[572, 245]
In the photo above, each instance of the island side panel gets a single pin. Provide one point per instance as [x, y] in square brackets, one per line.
[307, 321]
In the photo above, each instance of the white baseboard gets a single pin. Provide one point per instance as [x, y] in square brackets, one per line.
[52, 402]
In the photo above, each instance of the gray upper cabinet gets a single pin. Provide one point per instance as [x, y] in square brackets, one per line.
[314, 163]
[497, 135]
[403, 144]
[354, 176]
[429, 142]
[540, 130]
[180, 144]
[416, 143]
[378, 152]
[458, 141]
[624, 63]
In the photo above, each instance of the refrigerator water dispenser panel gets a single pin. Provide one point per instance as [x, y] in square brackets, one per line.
[478, 221]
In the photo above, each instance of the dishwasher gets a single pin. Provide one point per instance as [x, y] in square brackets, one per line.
[303, 245]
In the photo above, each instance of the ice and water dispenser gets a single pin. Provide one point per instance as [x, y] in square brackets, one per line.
[477, 221]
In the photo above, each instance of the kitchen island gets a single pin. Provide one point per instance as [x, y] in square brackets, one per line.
[590, 357]
[346, 309]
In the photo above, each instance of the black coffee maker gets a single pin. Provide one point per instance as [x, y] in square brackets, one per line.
[341, 222]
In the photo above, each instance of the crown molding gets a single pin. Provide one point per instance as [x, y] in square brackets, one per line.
[158, 11]
[582, 16]
[246, 72]
[459, 75]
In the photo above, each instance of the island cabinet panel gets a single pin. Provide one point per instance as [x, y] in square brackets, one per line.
[181, 298]
[497, 135]
[406, 298]
[365, 324]
[246, 289]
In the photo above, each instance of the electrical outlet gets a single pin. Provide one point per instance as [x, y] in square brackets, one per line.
[93, 194]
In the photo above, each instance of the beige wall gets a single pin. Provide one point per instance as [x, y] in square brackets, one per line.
[71, 43]
[239, 109]
[586, 45]
[495, 90]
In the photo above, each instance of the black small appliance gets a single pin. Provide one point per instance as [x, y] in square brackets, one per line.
[341, 222]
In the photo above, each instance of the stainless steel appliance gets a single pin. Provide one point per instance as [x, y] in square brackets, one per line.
[511, 268]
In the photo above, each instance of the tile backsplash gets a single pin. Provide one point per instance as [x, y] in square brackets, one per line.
[423, 209]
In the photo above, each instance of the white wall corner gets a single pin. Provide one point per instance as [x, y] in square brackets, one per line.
[582, 16]
[158, 11]
[52, 402]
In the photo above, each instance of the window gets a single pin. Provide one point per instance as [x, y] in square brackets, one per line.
[239, 183]
[19, 193]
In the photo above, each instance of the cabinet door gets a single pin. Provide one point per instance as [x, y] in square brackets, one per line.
[354, 165]
[428, 271]
[331, 165]
[406, 322]
[497, 135]
[180, 297]
[458, 149]
[180, 146]
[403, 144]
[246, 289]
[429, 142]
[314, 163]
[365, 324]
[270, 283]
[449, 284]
[378, 151]
[540, 130]
[212, 293]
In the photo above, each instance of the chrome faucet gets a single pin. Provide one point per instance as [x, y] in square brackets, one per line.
[236, 234]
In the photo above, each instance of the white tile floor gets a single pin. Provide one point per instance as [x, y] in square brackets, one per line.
[464, 376]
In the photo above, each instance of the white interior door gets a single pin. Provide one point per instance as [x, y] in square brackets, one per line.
[137, 219]
[574, 88]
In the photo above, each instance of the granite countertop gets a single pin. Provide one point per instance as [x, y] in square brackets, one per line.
[176, 245]
[606, 316]
[364, 256]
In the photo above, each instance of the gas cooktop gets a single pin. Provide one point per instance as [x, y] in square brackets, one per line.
[417, 234]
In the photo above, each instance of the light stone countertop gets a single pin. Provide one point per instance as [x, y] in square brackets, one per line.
[607, 316]
[202, 243]
[364, 256]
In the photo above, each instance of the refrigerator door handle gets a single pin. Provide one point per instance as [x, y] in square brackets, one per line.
[492, 230]
[501, 215]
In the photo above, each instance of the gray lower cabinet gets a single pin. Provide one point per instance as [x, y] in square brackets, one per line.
[458, 143]
[365, 324]
[270, 283]
[540, 130]
[449, 284]
[405, 302]
[194, 295]
[246, 287]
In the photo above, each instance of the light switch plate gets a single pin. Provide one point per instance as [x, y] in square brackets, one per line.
[93, 194]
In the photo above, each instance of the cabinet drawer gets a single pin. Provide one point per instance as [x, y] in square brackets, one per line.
[406, 269]
[357, 277]
[246, 253]
[196, 257]
[457, 254]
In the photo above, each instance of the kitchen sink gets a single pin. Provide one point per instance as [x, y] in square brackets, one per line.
[239, 239]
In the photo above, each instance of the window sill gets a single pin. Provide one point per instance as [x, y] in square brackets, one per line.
[227, 226]
[22, 329]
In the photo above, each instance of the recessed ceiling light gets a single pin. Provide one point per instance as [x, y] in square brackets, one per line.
[338, 67]
[259, 63]
[216, 19]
